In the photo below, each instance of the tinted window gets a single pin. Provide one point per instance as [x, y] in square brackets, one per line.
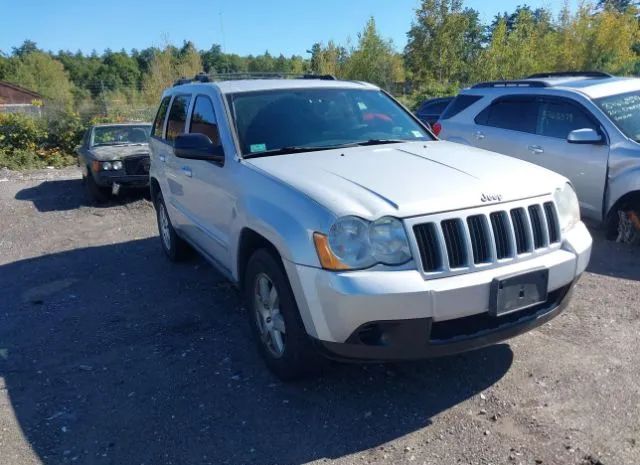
[559, 118]
[324, 118]
[459, 104]
[203, 119]
[158, 123]
[434, 108]
[519, 114]
[177, 116]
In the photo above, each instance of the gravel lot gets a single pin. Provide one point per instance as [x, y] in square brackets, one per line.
[109, 354]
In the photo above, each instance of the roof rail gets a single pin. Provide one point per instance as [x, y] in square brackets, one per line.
[204, 77]
[588, 74]
[520, 83]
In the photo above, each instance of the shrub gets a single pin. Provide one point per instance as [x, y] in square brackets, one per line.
[21, 132]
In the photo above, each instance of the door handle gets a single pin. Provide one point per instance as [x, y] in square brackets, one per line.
[536, 149]
[162, 158]
[186, 171]
[480, 135]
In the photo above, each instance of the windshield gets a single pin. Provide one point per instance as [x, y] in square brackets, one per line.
[624, 111]
[118, 135]
[278, 121]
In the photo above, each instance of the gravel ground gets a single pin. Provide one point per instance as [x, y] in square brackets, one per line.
[109, 354]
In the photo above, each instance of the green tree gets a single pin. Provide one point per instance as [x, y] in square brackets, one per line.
[38, 71]
[374, 59]
[443, 41]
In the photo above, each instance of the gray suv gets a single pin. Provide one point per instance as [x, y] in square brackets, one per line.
[585, 126]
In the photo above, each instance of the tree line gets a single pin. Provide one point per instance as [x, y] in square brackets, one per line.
[448, 47]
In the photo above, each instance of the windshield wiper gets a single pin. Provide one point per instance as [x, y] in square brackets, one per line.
[365, 143]
[293, 149]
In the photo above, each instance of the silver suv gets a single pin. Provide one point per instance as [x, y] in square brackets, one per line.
[585, 126]
[350, 229]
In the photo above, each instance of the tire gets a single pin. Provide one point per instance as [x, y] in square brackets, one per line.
[175, 248]
[96, 194]
[275, 321]
[628, 227]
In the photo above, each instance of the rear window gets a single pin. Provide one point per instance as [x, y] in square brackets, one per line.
[434, 108]
[459, 104]
[515, 114]
[159, 121]
[177, 116]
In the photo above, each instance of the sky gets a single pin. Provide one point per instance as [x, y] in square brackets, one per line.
[240, 26]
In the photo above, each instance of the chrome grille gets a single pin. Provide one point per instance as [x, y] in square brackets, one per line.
[459, 241]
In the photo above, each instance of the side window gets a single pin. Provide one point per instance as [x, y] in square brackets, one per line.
[516, 114]
[177, 116]
[158, 123]
[458, 105]
[203, 119]
[558, 118]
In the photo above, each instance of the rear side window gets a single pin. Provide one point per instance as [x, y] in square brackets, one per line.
[203, 119]
[177, 116]
[459, 104]
[515, 114]
[158, 123]
[559, 118]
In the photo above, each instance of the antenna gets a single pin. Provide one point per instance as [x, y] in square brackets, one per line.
[224, 41]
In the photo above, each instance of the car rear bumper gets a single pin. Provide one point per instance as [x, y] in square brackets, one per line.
[384, 315]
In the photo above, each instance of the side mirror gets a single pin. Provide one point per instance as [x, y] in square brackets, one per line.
[197, 147]
[584, 136]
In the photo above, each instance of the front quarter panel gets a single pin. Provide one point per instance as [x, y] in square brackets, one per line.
[624, 172]
[281, 214]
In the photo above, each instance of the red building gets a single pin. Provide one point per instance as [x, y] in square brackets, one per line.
[14, 98]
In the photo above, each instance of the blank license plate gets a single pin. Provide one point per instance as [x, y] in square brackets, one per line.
[519, 292]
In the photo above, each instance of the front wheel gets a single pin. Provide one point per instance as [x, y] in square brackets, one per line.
[275, 320]
[97, 194]
[629, 227]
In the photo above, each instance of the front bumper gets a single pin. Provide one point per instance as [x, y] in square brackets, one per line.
[391, 315]
[108, 178]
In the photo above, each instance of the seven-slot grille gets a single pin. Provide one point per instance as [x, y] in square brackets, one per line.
[458, 243]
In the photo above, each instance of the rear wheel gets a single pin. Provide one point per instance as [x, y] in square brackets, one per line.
[173, 245]
[275, 320]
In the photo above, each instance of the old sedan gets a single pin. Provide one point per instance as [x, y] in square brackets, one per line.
[113, 156]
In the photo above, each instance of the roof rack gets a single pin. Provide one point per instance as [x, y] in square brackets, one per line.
[204, 77]
[587, 74]
[520, 83]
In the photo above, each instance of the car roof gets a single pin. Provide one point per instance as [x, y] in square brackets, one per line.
[256, 85]
[589, 85]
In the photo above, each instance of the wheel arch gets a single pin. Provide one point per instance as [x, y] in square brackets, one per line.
[154, 188]
[631, 198]
[250, 241]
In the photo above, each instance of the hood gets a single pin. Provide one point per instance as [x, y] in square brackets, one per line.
[119, 152]
[408, 179]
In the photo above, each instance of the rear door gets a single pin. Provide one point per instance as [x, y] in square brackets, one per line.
[177, 171]
[584, 164]
[506, 125]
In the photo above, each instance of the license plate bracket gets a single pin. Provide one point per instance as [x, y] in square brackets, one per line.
[518, 292]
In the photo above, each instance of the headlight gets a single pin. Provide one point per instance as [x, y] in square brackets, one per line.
[568, 207]
[106, 166]
[349, 242]
[354, 243]
[389, 242]
[116, 165]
